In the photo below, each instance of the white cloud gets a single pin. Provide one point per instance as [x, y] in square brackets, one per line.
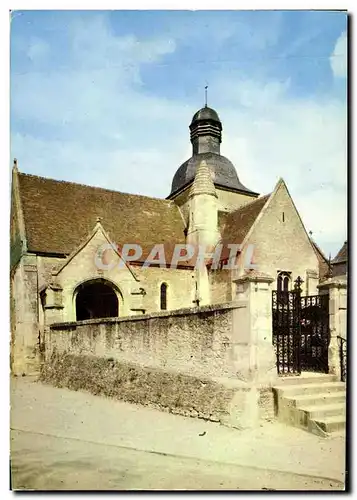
[338, 59]
[38, 49]
[303, 141]
[217, 27]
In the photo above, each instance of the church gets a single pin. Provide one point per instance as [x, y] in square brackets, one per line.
[59, 230]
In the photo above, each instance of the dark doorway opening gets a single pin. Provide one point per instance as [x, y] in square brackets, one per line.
[96, 299]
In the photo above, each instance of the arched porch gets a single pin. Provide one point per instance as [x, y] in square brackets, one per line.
[97, 298]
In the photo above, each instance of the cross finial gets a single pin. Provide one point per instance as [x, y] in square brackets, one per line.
[206, 87]
[99, 219]
[298, 283]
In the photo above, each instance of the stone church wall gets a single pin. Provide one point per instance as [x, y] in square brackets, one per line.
[220, 285]
[229, 200]
[281, 243]
[83, 267]
[45, 268]
[180, 290]
[24, 319]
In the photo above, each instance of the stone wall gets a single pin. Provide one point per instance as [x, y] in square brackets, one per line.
[193, 341]
[180, 287]
[24, 317]
[220, 286]
[194, 362]
[45, 267]
[168, 391]
[229, 200]
[178, 393]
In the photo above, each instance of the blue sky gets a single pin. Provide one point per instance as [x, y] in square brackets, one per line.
[105, 98]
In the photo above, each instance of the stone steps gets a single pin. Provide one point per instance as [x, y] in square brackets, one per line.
[312, 388]
[327, 410]
[318, 399]
[316, 403]
[332, 424]
[303, 379]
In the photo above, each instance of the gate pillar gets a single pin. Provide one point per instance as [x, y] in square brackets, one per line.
[252, 349]
[256, 360]
[337, 290]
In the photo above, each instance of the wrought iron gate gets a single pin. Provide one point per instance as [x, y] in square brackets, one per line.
[301, 333]
[343, 357]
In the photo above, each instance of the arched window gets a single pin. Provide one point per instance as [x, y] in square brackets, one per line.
[286, 284]
[96, 299]
[163, 297]
[283, 283]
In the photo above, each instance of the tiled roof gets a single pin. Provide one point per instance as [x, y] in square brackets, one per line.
[59, 216]
[323, 261]
[235, 225]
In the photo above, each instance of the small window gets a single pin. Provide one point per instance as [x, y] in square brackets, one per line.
[283, 284]
[163, 297]
[286, 284]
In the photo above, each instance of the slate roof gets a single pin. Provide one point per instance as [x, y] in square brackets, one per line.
[223, 170]
[206, 113]
[342, 255]
[59, 215]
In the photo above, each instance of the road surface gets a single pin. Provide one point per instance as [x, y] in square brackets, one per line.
[66, 440]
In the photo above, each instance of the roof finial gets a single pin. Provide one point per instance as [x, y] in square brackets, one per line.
[15, 163]
[206, 87]
[329, 272]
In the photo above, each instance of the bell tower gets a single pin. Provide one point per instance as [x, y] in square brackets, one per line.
[203, 215]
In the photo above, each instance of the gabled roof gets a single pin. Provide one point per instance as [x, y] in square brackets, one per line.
[97, 228]
[318, 250]
[59, 215]
[342, 255]
[235, 225]
[324, 266]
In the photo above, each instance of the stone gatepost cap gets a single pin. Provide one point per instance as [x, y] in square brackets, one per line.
[255, 276]
[333, 283]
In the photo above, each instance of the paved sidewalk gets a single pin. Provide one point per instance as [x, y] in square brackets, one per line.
[42, 413]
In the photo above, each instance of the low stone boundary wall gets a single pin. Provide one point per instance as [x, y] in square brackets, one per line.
[199, 362]
[173, 392]
[197, 341]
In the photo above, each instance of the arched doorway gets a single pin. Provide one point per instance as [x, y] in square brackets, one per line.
[96, 299]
